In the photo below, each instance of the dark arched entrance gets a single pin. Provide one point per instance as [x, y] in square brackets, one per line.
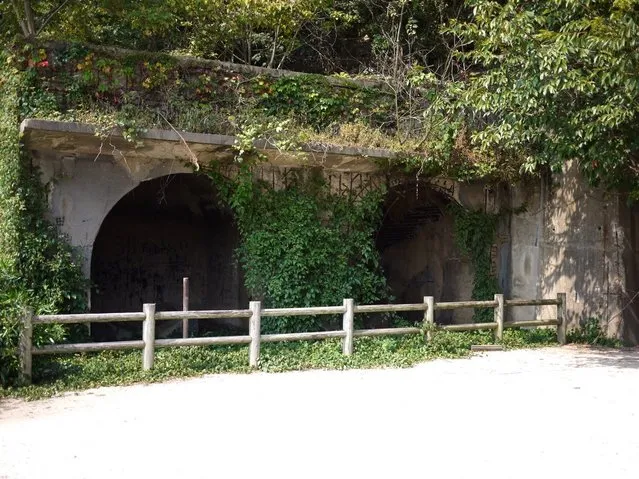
[417, 245]
[165, 229]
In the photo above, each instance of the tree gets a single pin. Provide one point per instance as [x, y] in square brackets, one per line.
[249, 31]
[309, 35]
[554, 81]
[149, 24]
[28, 17]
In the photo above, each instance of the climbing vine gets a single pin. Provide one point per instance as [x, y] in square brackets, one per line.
[37, 267]
[302, 245]
[475, 235]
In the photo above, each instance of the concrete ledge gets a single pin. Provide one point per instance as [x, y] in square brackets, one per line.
[80, 138]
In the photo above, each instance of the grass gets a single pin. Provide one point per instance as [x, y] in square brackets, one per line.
[53, 375]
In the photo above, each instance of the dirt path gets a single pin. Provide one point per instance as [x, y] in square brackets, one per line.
[568, 412]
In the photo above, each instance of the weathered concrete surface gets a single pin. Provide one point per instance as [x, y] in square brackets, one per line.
[567, 412]
[87, 175]
[90, 179]
[570, 239]
[418, 251]
[185, 147]
[629, 216]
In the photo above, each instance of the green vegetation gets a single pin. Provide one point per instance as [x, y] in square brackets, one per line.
[591, 332]
[554, 81]
[323, 35]
[472, 88]
[130, 92]
[305, 245]
[475, 235]
[37, 267]
[53, 375]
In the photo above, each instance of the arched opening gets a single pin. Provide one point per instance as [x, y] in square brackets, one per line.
[163, 230]
[419, 255]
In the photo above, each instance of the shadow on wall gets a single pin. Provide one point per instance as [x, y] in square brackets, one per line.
[571, 240]
[165, 229]
[630, 294]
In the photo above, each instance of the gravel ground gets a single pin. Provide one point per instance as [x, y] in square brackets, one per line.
[554, 412]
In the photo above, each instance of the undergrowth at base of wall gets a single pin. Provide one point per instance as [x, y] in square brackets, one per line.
[591, 331]
[54, 375]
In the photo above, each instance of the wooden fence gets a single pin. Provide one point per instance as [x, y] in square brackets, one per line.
[255, 313]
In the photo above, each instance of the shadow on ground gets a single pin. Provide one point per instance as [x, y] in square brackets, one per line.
[621, 358]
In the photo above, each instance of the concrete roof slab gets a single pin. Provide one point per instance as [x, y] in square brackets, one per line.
[81, 139]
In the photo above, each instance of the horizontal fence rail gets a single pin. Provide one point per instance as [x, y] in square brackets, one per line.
[255, 338]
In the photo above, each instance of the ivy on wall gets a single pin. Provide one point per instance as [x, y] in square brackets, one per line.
[475, 235]
[37, 266]
[303, 245]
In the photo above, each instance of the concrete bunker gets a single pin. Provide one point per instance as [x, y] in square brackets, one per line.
[163, 230]
[418, 251]
[548, 226]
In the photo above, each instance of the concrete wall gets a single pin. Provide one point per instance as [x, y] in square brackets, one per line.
[89, 196]
[83, 189]
[630, 294]
[429, 264]
[419, 254]
[570, 239]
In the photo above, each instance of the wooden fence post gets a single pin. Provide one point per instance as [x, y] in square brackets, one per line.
[499, 317]
[254, 331]
[26, 346]
[429, 316]
[561, 318]
[185, 307]
[148, 336]
[347, 325]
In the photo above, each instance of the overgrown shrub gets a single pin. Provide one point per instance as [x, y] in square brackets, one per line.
[313, 101]
[304, 245]
[37, 267]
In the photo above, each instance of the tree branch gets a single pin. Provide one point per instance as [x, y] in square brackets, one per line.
[274, 51]
[50, 15]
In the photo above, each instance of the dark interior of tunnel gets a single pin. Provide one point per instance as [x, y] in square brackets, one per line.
[418, 251]
[163, 230]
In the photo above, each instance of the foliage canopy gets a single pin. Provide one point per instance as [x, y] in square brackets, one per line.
[332, 34]
[554, 81]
